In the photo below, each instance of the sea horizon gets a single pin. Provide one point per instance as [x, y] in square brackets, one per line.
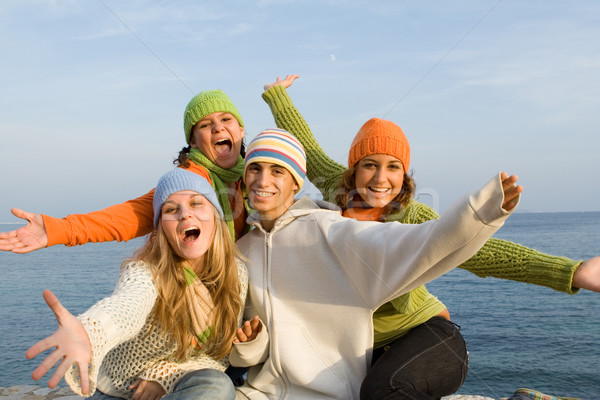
[518, 335]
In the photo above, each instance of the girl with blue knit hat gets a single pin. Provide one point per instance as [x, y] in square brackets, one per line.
[418, 351]
[214, 133]
[170, 323]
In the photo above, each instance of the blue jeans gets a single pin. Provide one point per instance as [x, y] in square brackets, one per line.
[429, 362]
[198, 385]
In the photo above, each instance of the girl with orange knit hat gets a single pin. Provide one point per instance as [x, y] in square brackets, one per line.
[418, 352]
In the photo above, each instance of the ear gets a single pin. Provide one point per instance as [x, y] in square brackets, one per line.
[243, 133]
[193, 141]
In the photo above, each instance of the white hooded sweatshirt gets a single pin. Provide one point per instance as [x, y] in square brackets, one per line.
[316, 278]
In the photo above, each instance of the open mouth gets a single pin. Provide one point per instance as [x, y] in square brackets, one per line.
[190, 234]
[223, 146]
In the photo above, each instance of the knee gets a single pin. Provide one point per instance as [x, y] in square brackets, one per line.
[376, 384]
[206, 381]
[367, 388]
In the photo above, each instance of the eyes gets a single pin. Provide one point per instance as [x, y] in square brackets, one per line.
[395, 166]
[207, 123]
[275, 169]
[171, 208]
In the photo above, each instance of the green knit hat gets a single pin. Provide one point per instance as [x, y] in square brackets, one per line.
[206, 103]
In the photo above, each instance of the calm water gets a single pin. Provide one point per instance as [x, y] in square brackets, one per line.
[518, 335]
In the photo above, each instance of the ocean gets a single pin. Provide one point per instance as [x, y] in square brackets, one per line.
[518, 335]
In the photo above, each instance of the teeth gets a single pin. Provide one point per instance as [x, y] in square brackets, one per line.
[222, 141]
[379, 190]
[264, 194]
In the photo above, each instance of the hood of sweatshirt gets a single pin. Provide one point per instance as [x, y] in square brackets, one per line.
[300, 208]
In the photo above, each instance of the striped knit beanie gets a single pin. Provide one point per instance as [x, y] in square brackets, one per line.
[278, 147]
[177, 180]
[204, 104]
[379, 136]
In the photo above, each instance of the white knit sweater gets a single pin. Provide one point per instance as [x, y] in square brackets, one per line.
[127, 345]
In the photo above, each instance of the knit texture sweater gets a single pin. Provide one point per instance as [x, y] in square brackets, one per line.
[127, 345]
[497, 258]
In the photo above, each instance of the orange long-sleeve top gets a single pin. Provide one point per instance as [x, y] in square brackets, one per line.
[125, 221]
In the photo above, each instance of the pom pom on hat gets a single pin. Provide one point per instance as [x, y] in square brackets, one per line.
[380, 136]
[204, 104]
[177, 180]
[278, 147]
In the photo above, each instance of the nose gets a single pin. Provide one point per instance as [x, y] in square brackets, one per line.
[261, 179]
[217, 126]
[379, 176]
[185, 212]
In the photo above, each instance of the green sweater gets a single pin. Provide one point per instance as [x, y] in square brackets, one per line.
[497, 258]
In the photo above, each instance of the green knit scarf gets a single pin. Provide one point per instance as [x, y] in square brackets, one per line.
[220, 177]
[200, 306]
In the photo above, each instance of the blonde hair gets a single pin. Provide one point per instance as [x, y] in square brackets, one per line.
[347, 191]
[218, 274]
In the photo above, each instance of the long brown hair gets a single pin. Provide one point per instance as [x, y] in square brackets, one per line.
[346, 193]
[218, 274]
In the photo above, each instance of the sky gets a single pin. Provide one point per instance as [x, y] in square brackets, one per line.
[93, 91]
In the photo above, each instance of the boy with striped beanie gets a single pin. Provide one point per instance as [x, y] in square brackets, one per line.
[314, 275]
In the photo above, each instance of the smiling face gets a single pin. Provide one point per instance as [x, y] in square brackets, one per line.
[271, 190]
[219, 136]
[378, 179]
[188, 221]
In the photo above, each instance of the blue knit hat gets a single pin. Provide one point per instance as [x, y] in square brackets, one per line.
[177, 180]
[278, 147]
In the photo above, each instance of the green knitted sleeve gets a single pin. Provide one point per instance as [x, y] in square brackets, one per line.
[506, 260]
[322, 171]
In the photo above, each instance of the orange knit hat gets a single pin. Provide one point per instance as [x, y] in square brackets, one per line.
[379, 136]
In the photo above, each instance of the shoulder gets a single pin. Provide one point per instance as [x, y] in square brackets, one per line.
[242, 270]
[199, 170]
[414, 213]
[136, 272]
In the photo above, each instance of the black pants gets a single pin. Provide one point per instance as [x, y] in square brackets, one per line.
[429, 362]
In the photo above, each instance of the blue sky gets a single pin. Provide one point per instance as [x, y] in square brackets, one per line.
[93, 92]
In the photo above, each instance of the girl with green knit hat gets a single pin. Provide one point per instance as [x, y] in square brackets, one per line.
[418, 352]
[214, 132]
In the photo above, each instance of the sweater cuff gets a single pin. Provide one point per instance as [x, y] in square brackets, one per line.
[277, 97]
[561, 274]
[56, 230]
[487, 203]
[564, 272]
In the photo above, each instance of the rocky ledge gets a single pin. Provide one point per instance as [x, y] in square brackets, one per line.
[34, 392]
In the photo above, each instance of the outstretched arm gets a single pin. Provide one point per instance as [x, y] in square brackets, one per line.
[72, 346]
[321, 170]
[503, 259]
[120, 222]
[28, 238]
